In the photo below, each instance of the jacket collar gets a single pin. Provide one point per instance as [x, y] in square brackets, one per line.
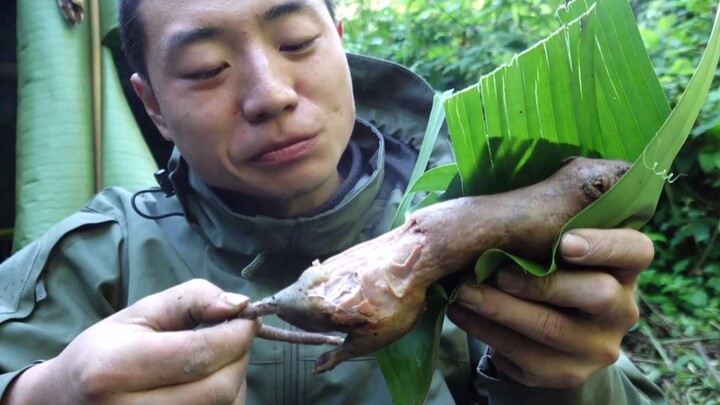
[318, 235]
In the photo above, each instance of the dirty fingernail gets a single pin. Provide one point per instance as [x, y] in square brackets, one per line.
[574, 246]
[234, 300]
[511, 279]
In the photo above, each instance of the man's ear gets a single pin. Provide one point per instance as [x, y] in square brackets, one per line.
[340, 30]
[146, 94]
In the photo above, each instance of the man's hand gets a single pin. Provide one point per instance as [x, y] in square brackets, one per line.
[555, 331]
[149, 353]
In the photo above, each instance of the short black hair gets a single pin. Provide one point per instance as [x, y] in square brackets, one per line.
[132, 33]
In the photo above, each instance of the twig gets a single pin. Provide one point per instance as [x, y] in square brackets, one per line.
[700, 349]
[656, 344]
[648, 360]
[652, 309]
[667, 188]
[688, 395]
[688, 340]
[701, 262]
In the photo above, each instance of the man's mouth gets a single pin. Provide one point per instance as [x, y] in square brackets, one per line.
[286, 151]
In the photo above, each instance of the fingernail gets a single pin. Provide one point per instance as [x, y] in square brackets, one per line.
[466, 291]
[511, 279]
[468, 296]
[234, 300]
[574, 246]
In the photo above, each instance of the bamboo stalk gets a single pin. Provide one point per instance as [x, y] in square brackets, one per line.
[96, 58]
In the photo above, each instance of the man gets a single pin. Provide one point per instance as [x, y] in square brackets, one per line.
[272, 170]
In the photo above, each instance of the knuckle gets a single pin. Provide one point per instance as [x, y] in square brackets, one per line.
[552, 377]
[229, 386]
[606, 291]
[223, 396]
[609, 354]
[550, 328]
[632, 315]
[628, 248]
[97, 381]
[572, 379]
[488, 304]
[490, 309]
[198, 284]
[528, 379]
[200, 359]
[607, 251]
[546, 287]
[508, 347]
[645, 252]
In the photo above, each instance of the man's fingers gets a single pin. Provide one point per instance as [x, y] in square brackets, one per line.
[184, 306]
[524, 359]
[561, 376]
[625, 250]
[596, 293]
[169, 358]
[157, 335]
[226, 386]
[537, 322]
[554, 331]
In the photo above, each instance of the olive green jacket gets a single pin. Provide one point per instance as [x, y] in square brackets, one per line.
[111, 254]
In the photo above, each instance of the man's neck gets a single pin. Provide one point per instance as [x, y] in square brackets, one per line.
[333, 192]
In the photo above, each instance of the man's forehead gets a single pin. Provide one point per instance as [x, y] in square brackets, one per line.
[171, 15]
[188, 7]
[172, 25]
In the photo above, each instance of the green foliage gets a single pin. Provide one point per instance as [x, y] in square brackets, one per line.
[686, 225]
[450, 43]
[453, 43]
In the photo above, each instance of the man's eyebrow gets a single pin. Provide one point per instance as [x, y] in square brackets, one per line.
[281, 10]
[182, 39]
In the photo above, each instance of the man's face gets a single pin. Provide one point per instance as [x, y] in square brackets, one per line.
[256, 94]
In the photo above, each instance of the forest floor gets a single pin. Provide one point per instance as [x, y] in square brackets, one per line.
[685, 365]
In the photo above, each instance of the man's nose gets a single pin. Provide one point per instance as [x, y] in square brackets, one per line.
[269, 88]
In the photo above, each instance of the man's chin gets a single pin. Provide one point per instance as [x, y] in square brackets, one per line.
[299, 197]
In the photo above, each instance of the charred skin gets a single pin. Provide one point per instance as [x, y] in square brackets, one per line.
[375, 291]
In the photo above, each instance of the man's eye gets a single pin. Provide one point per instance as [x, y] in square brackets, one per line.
[298, 47]
[207, 74]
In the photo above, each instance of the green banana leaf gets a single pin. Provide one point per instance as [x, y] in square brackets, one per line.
[127, 161]
[54, 119]
[55, 140]
[589, 90]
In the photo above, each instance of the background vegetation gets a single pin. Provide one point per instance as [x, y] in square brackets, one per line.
[453, 43]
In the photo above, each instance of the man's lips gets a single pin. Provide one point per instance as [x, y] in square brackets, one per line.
[286, 151]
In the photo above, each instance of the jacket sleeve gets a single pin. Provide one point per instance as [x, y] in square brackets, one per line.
[56, 287]
[621, 383]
